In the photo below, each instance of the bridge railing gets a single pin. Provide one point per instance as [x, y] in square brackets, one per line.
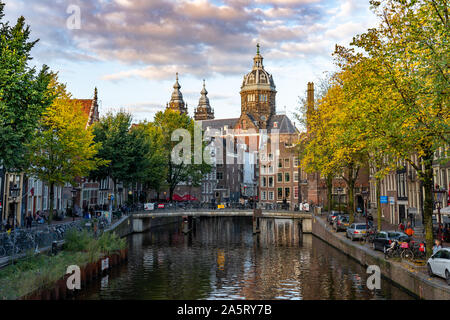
[180, 207]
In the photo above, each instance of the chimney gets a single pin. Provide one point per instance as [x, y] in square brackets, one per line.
[309, 102]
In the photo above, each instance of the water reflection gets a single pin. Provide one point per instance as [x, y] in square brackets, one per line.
[222, 259]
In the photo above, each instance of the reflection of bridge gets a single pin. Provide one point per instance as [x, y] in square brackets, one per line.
[143, 221]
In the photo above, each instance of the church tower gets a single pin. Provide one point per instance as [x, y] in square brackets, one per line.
[258, 93]
[176, 101]
[204, 110]
[93, 110]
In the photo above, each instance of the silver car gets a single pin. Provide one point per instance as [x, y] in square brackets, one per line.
[356, 231]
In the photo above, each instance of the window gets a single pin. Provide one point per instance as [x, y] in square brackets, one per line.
[219, 175]
[286, 177]
[264, 182]
[296, 192]
[263, 195]
[295, 176]
[279, 177]
[280, 193]
[296, 162]
[270, 195]
[287, 192]
[286, 163]
[280, 163]
[270, 182]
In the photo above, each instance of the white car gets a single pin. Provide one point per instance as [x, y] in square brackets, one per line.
[439, 264]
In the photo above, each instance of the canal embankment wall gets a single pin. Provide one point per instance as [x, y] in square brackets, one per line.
[406, 277]
[129, 224]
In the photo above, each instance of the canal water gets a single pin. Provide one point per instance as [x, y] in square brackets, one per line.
[220, 258]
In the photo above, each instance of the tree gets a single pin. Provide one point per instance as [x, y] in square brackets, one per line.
[165, 123]
[24, 92]
[148, 166]
[117, 149]
[410, 47]
[332, 147]
[62, 148]
[371, 106]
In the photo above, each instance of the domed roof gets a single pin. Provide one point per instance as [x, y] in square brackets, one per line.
[258, 78]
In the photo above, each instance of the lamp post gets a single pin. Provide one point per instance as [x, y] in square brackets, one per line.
[438, 196]
[14, 193]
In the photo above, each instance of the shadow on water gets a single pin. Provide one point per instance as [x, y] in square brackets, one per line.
[221, 259]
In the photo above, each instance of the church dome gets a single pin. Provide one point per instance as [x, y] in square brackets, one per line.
[258, 78]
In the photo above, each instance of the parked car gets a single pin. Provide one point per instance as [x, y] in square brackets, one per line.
[439, 264]
[332, 215]
[383, 239]
[341, 223]
[356, 231]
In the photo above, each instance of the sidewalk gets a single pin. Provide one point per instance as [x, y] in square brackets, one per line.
[364, 253]
[419, 233]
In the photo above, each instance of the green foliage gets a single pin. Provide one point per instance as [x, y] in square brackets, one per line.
[163, 126]
[23, 92]
[77, 241]
[110, 243]
[62, 148]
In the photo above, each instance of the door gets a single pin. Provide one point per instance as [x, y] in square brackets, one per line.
[401, 213]
[438, 263]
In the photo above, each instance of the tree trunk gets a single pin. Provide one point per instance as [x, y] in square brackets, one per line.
[171, 190]
[351, 202]
[330, 191]
[51, 196]
[115, 194]
[427, 179]
[378, 195]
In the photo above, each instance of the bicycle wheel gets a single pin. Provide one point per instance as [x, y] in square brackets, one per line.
[407, 254]
[2, 251]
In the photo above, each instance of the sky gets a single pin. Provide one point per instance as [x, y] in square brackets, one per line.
[131, 49]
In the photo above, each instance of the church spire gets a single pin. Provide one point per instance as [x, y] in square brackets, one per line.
[204, 110]
[258, 59]
[176, 101]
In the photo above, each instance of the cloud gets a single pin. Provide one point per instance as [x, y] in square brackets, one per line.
[154, 39]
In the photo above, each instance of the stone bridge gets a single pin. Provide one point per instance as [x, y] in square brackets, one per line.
[143, 221]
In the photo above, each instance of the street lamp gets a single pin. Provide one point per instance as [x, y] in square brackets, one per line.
[438, 196]
[14, 193]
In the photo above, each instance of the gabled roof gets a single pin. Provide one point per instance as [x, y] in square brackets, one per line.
[86, 105]
[284, 124]
[219, 123]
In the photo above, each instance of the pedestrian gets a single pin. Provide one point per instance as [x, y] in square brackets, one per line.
[437, 246]
[409, 230]
[370, 220]
[401, 226]
[8, 226]
[28, 220]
